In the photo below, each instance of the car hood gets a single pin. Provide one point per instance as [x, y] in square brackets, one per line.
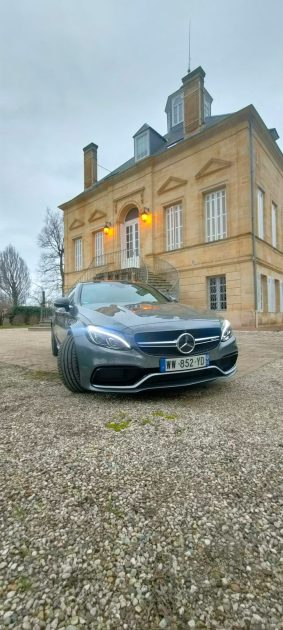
[148, 316]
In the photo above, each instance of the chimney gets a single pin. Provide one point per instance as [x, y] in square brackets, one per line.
[193, 89]
[90, 165]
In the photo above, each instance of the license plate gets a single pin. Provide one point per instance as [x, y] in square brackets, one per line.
[179, 364]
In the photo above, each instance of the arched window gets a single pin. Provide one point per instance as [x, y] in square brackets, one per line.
[132, 214]
[177, 110]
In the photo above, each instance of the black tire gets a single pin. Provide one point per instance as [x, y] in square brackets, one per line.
[54, 347]
[68, 366]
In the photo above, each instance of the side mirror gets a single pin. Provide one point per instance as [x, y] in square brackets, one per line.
[62, 302]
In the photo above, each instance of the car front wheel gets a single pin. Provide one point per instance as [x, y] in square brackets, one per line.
[68, 365]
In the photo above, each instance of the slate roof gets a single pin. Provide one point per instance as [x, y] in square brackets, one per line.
[173, 137]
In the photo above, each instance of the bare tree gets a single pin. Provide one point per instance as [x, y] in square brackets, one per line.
[5, 305]
[51, 241]
[14, 276]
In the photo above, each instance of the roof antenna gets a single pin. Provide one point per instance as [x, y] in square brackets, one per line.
[189, 68]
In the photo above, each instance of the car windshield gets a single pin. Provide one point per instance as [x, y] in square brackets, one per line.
[102, 293]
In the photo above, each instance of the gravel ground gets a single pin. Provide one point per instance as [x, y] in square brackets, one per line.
[162, 511]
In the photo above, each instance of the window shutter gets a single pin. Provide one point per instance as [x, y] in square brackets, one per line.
[259, 293]
[271, 295]
[216, 223]
[273, 225]
[123, 245]
[99, 248]
[260, 220]
[174, 227]
[78, 254]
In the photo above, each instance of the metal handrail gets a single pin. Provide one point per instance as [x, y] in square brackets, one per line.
[166, 272]
[155, 272]
[121, 259]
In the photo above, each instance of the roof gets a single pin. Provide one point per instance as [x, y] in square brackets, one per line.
[147, 127]
[175, 136]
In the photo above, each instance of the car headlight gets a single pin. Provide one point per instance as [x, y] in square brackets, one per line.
[106, 338]
[226, 330]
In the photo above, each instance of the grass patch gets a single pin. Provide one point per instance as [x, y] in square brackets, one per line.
[118, 426]
[170, 416]
[24, 584]
[165, 416]
[18, 512]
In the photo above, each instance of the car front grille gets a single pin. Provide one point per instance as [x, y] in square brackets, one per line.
[163, 343]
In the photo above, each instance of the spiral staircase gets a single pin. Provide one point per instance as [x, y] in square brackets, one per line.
[121, 267]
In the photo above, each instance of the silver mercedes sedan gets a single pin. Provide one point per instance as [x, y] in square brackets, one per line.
[128, 337]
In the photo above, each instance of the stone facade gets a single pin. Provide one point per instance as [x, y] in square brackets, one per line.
[235, 155]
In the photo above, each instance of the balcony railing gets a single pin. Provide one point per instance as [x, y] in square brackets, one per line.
[121, 259]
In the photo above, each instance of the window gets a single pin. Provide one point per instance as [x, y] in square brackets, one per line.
[281, 297]
[111, 292]
[274, 225]
[99, 249]
[177, 110]
[174, 227]
[141, 146]
[216, 223]
[260, 213]
[271, 295]
[78, 254]
[217, 293]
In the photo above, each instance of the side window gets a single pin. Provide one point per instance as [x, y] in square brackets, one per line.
[177, 110]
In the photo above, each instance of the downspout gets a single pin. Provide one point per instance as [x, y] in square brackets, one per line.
[253, 220]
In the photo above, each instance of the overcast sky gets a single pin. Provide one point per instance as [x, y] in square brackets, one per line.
[80, 71]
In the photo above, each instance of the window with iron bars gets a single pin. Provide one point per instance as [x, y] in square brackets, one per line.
[217, 293]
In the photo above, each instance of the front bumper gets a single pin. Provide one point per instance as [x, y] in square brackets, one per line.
[133, 371]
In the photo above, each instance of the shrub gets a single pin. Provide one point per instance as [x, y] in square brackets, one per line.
[26, 314]
[18, 318]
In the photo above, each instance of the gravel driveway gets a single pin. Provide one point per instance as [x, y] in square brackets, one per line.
[159, 511]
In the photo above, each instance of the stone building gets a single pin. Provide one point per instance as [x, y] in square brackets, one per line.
[196, 212]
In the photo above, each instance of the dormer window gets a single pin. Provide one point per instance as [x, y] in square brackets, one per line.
[141, 146]
[177, 110]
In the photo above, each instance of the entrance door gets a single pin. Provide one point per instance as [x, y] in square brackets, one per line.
[131, 250]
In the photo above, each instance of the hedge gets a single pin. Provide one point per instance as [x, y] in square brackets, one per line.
[26, 314]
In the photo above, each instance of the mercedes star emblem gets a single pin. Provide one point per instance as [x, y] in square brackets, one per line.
[185, 343]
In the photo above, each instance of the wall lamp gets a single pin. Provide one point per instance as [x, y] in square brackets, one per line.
[107, 227]
[145, 212]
